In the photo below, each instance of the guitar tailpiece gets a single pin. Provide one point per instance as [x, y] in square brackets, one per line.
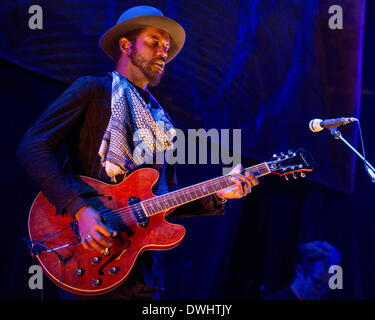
[35, 247]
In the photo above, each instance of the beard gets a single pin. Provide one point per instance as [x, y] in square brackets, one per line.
[145, 66]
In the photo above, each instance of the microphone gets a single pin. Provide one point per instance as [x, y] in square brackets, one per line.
[317, 125]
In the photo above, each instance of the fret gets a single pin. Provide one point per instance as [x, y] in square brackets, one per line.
[176, 197]
[210, 188]
[156, 202]
[221, 185]
[165, 203]
[150, 206]
[169, 201]
[187, 194]
[174, 201]
[162, 203]
[145, 208]
[205, 190]
[191, 195]
[182, 197]
[194, 194]
[215, 186]
[199, 193]
[227, 182]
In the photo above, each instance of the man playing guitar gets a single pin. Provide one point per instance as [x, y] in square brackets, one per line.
[96, 117]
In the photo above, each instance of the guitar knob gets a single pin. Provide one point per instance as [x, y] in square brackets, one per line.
[113, 270]
[302, 174]
[95, 260]
[79, 272]
[106, 252]
[96, 282]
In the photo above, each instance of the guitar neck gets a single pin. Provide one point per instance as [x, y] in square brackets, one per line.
[188, 194]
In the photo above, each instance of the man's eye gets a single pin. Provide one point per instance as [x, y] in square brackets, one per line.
[157, 43]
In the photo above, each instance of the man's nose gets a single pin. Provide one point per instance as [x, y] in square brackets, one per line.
[163, 52]
[163, 55]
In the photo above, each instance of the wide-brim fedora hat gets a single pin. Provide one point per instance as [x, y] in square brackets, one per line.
[141, 17]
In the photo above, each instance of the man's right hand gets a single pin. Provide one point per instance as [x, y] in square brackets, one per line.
[94, 234]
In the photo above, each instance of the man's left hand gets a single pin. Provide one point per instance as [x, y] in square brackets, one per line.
[243, 183]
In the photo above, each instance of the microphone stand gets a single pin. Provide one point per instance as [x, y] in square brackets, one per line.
[369, 168]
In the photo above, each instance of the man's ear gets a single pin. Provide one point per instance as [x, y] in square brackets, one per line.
[124, 45]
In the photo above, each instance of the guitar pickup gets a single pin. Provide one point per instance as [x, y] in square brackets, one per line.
[137, 210]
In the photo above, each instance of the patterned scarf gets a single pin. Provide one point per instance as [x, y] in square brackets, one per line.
[152, 130]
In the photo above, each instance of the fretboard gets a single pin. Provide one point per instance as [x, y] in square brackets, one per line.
[197, 191]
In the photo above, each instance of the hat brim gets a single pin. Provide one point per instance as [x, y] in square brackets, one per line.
[109, 40]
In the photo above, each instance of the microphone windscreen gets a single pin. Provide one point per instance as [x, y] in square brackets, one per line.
[314, 125]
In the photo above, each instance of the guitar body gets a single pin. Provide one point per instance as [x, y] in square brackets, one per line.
[86, 272]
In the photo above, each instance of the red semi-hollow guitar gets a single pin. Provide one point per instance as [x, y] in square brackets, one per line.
[137, 214]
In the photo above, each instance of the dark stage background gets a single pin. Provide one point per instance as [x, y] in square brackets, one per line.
[265, 67]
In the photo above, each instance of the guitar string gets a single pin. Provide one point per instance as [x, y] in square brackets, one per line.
[125, 212]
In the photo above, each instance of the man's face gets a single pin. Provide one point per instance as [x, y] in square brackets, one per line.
[314, 283]
[149, 53]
